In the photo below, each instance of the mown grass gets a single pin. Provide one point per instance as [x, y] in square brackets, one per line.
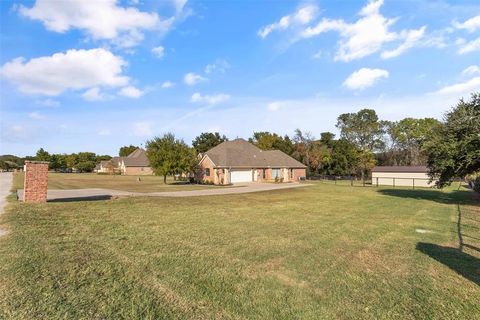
[117, 182]
[321, 252]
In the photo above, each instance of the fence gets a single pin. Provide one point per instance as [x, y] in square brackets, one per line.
[375, 181]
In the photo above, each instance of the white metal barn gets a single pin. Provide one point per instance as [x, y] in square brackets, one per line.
[401, 176]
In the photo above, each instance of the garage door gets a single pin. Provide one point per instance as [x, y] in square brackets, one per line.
[240, 176]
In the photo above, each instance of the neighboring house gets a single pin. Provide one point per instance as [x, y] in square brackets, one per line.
[240, 161]
[135, 164]
[406, 176]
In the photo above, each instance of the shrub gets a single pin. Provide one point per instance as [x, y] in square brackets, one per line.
[476, 184]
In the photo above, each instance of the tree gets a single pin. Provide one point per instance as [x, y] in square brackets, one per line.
[362, 128]
[407, 138]
[169, 156]
[302, 146]
[126, 150]
[85, 166]
[365, 131]
[272, 141]
[207, 140]
[455, 150]
[42, 155]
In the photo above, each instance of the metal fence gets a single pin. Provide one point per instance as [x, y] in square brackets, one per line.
[376, 181]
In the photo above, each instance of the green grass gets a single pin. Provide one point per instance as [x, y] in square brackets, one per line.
[320, 252]
[117, 182]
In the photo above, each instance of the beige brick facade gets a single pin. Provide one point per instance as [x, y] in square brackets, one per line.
[35, 182]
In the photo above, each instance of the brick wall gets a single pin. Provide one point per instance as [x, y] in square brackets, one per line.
[36, 181]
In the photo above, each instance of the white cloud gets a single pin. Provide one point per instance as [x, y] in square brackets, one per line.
[142, 129]
[209, 99]
[471, 70]
[36, 116]
[104, 132]
[274, 106]
[179, 4]
[131, 92]
[72, 70]
[411, 39]
[93, 94]
[467, 47]
[367, 35]
[364, 78]
[48, 103]
[461, 88]
[471, 25]
[101, 20]
[302, 16]
[167, 85]
[159, 52]
[220, 65]
[318, 54]
[192, 79]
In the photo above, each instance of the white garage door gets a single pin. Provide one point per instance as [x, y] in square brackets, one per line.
[240, 176]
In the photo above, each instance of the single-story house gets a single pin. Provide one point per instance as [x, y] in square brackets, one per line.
[240, 161]
[406, 176]
[135, 164]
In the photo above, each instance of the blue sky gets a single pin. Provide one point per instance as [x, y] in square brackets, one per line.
[91, 75]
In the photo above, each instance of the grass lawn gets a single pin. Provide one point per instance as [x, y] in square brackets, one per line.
[116, 182]
[321, 252]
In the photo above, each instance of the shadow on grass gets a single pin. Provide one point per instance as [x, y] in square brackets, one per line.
[462, 263]
[82, 198]
[452, 197]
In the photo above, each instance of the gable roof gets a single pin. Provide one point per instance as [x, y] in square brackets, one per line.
[137, 158]
[422, 169]
[242, 154]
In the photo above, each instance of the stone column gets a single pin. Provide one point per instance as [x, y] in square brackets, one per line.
[35, 182]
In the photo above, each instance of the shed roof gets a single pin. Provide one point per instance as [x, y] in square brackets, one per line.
[239, 153]
[422, 169]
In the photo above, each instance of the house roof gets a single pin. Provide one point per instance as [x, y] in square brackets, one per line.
[239, 153]
[137, 158]
[422, 169]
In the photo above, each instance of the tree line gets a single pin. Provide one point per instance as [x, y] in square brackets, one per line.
[450, 148]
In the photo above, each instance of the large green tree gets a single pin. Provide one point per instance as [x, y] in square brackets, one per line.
[272, 141]
[455, 150]
[364, 130]
[42, 155]
[407, 138]
[169, 156]
[207, 140]
[126, 150]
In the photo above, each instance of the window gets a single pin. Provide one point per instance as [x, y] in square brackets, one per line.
[264, 174]
[207, 172]
[275, 173]
[292, 173]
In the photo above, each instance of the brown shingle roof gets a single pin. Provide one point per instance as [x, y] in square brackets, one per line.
[242, 154]
[400, 169]
[137, 158]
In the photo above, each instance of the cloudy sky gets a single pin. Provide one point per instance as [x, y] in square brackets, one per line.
[95, 75]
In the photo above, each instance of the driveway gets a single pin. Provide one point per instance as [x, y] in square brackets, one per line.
[5, 185]
[103, 194]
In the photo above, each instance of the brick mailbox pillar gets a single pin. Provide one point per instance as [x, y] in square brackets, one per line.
[35, 183]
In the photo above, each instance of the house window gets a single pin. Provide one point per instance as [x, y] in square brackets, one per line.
[292, 173]
[275, 173]
[141, 169]
[264, 173]
[207, 172]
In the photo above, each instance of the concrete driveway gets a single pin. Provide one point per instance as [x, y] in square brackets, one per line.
[5, 185]
[103, 194]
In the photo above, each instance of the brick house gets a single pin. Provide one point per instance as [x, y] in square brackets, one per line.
[135, 164]
[240, 161]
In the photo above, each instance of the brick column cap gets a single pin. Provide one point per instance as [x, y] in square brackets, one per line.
[35, 162]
